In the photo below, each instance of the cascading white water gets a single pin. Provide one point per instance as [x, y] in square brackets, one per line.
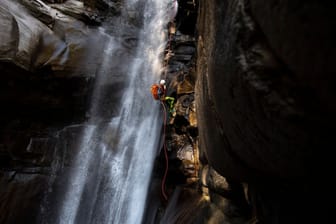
[109, 177]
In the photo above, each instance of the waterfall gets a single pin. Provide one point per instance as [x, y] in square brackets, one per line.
[108, 178]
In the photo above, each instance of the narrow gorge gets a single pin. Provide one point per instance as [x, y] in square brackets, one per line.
[248, 139]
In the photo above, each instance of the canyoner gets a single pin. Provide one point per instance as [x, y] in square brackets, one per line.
[107, 181]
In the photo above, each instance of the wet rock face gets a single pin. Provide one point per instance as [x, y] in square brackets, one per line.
[47, 72]
[29, 168]
[263, 94]
[23, 196]
[186, 16]
[258, 105]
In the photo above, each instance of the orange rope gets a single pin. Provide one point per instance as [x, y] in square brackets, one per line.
[163, 189]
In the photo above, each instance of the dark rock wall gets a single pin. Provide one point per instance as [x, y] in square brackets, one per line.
[24, 195]
[265, 85]
[302, 34]
[265, 97]
[40, 102]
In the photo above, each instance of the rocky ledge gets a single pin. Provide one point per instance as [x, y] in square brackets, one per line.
[196, 192]
[47, 76]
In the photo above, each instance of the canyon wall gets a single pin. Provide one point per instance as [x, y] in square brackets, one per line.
[265, 102]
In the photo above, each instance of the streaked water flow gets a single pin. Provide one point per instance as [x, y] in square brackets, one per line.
[108, 179]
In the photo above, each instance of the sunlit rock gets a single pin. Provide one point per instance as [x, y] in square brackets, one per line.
[185, 87]
[20, 35]
[193, 115]
[58, 43]
[77, 9]
[172, 10]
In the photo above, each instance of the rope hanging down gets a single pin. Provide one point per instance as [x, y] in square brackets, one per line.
[166, 61]
[163, 185]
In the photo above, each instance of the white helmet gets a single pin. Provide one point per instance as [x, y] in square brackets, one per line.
[162, 82]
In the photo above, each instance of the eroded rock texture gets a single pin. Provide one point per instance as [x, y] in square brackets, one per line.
[47, 71]
[265, 105]
[266, 86]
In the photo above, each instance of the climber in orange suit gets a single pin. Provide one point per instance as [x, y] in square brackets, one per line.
[159, 90]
